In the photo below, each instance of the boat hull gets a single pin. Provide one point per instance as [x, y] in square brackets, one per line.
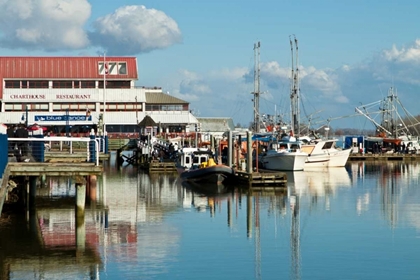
[215, 174]
[288, 161]
[336, 158]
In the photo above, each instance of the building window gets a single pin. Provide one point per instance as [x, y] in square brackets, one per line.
[114, 68]
[10, 107]
[156, 107]
[62, 84]
[74, 107]
[38, 84]
[12, 84]
[87, 84]
[39, 107]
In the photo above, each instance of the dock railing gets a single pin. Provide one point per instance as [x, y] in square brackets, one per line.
[36, 147]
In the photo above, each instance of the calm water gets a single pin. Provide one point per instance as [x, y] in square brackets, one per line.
[358, 222]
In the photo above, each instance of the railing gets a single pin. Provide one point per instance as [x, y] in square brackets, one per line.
[37, 146]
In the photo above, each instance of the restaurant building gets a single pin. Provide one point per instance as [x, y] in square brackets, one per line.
[80, 93]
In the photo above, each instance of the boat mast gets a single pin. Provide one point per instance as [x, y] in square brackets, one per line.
[294, 95]
[256, 92]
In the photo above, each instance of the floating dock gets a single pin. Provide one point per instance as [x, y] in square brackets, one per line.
[262, 178]
[384, 157]
[156, 166]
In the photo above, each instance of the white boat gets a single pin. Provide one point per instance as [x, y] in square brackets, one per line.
[284, 155]
[325, 153]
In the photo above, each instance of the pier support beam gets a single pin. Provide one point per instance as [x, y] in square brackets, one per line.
[230, 146]
[249, 152]
[32, 192]
[80, 217]
[92, 186]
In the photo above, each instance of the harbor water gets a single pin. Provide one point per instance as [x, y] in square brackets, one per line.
[357, 222]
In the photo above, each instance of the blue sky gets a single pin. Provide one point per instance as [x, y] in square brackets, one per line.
[350, 52]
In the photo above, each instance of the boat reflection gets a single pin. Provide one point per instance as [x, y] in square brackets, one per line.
[318, 182]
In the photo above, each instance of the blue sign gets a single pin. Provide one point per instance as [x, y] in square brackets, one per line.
[63, 118]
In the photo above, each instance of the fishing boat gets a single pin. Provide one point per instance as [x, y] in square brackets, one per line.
[324, 153]
[321, 152]
[395, 132]
[284, 154]
[198, 165]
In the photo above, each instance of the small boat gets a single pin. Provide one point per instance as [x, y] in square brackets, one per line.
[197, 165]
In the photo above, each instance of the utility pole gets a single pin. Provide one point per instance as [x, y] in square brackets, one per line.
[256, 92]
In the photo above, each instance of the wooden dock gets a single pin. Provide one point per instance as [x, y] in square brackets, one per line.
[155, 166]
[384, 157]
[60, 156]
[53, 169]
[262, 178]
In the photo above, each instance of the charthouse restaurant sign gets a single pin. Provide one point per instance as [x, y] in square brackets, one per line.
[57, 96]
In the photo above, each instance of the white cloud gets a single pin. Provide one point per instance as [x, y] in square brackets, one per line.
[410, 54]
[48, 25]
[135, 29]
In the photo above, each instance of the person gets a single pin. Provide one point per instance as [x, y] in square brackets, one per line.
[11, 134]
[21, 132]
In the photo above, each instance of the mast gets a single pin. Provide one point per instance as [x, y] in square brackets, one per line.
[256, 92]
[294, 95]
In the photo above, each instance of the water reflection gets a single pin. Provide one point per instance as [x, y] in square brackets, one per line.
[151, 225]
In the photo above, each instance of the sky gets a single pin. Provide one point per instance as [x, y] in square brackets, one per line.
[350, 52]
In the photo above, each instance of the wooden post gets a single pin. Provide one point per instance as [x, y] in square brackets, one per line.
[230, 145]
[80, 198]
[80, 216]
[249, 153]
[32, 192]
[92, 187]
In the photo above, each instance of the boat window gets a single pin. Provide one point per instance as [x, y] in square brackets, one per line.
[187, 160]
[328, 145]
[195, 160]
[203, 159]
[294, 147]
[283, 146]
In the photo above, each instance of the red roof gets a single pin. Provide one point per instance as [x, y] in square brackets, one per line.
[62, 67]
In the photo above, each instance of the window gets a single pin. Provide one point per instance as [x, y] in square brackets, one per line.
[62, 84]
[12, 84]
[14, 107]
[74, 107]
[122, 68]
[39, 107]
[114, 68]
[38, 84]
[87, 84]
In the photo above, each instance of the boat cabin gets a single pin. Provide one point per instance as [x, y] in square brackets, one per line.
[192, 158]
